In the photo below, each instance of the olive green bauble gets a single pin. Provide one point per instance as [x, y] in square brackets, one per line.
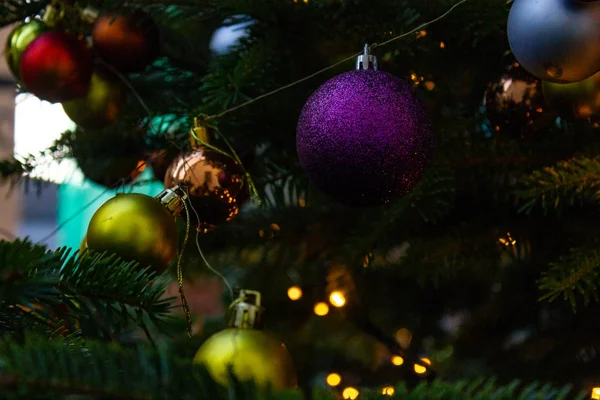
[101, 106]
[83, 246]
[135, 227]
[252, 355]
[18, 40]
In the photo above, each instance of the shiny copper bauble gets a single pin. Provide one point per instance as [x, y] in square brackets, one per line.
[101, 106]
[575, 101]
[216, 183]
[56, 67]
[128, 41]
[252, 355]
[136, 227]
[160, 160]
[18, 40]
[515, 104]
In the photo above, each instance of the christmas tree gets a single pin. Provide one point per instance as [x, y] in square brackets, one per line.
[303, 190]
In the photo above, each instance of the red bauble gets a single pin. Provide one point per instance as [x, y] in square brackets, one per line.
[56, 67]
[126, 41]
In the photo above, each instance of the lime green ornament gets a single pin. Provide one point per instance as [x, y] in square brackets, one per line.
[18, 40]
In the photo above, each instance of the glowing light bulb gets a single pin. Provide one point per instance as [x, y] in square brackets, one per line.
[596, 393]
[388, 391]
[294, 293]
[420, 369]
[333, 379]
[442, 45]
[350, 393]
[397, 360]
[321, 309]
[337, 299]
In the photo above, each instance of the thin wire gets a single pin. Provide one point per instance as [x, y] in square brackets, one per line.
[220, 275]
[418, 28]
[184, 303]
[374, 45]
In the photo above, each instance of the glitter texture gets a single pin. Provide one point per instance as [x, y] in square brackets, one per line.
[364, 138]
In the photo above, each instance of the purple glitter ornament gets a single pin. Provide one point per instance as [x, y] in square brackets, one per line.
[364, 138]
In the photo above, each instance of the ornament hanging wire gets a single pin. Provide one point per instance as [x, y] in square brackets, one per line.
[363, 53]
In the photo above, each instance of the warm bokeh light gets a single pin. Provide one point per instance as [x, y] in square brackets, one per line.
[350, 393]
[388, 391]
[420, 369]
[596, 393]
[403, 337]
[321, 309]
[294, 293]
[397, 360]
[333, 379]
[508, 241]
[337, 299]
[442, 45]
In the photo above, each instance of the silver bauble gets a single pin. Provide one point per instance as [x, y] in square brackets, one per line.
[556, 40]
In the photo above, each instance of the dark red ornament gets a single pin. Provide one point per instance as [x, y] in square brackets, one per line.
[56, 67]
[128, 41]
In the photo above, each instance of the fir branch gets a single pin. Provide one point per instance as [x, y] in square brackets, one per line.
[572, 275]
[575, 181]
[45, 369]
[93, 286]
[18, 10]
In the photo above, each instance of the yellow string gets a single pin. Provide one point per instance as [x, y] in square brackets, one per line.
[184, 303]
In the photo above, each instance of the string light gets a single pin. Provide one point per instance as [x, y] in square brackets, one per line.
[508, 241]
[397, 360]
[442, 45]
[321, 309]
[294, 293]
[337, 299]
[403, 337]
[596, 393]
[350, 393]
[333, 379]
[388, 391]
[420, 369]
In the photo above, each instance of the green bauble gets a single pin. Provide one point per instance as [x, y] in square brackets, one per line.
[253, 356]
[135, 227]
[83, 246]
[18, 40]
[101, 106]
[575, 101]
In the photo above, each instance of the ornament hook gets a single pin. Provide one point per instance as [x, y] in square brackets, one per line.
[367, 60]
[173, 199]
[246, 311]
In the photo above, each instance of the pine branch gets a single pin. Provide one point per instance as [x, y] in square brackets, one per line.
[94, 286]
[575, 274]
[576, 181]
[45, 369]
[18, 10]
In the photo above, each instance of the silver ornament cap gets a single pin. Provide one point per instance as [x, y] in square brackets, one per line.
[367, 60]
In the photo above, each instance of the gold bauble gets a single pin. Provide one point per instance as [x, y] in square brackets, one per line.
[101, 106]
[252, 355]
[83, 246]
[216, 183]
[136, 227]
[18, 40]
[579, 100]
[246, 351]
